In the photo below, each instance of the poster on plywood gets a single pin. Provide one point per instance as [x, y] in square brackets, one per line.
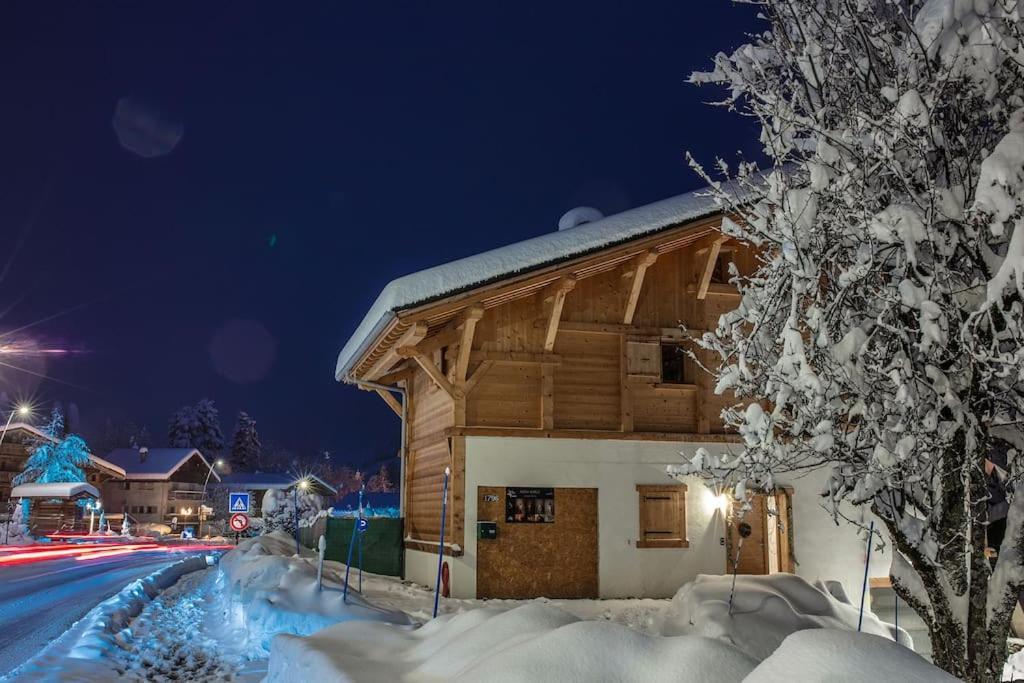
[530, 505]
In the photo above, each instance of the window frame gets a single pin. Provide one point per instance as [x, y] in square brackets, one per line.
[679, 537]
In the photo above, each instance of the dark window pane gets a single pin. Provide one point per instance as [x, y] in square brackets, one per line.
[673, 364]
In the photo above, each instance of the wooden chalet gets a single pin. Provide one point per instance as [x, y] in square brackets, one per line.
[552, 378]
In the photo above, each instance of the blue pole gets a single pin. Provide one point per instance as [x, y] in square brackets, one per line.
[896, 611]
[348, 562]
[363, 488]
[864, 588]
[295, 502]
[440, 546]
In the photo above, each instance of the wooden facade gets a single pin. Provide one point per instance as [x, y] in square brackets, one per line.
[593, 347]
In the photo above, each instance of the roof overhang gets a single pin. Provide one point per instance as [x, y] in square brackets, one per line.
[75, 489]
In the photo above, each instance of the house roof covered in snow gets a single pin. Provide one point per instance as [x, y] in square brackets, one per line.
[55, 490]
[259, 481]
[34, 431]
[467, 274]
[154, 463]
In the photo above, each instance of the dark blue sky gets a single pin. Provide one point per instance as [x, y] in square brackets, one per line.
[328, 147]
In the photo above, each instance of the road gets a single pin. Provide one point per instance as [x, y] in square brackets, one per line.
[40, 599]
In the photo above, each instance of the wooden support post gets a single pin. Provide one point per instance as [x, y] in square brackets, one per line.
[411, 337]
[478, 375]
[625, 393]
[430, 368]
[554, 300]
[470, 318]
[547, 396]
[391, 401]
[640, 265]
[709, 266]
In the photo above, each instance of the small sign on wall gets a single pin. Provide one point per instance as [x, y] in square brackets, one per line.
[529, 505]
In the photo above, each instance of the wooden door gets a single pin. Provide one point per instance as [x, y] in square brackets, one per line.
[528, 560]
[769, 548]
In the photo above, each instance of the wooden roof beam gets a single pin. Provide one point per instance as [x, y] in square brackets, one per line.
[554, 301]
[430, 368]
[470, 317]
[478, 375]
[390, 399]
[412, 336]
[709, 265]
[640, 265]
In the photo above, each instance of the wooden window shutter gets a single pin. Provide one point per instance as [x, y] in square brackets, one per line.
[662, 516]
[643, 360]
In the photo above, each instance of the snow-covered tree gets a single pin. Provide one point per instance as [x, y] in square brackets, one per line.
[56, 459]
[278, 508]
[197, 427]
[245, 443]
[881, 333]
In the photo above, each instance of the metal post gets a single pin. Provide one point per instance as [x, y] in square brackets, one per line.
[92, 517]
[864, 588]
[322, 547]
[348, 562]
[440, 545]
[360, 537]
[295, 501]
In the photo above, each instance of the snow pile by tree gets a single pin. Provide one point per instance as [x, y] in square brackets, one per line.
[883, 328]
[245, 444]
[59, 458]
[279, 509]
[765, 610]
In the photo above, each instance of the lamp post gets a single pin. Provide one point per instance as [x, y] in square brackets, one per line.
[202, 499]
[23, 410]
[303, 484]
[93, 506]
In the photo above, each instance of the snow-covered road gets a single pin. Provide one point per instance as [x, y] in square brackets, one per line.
[41, 600]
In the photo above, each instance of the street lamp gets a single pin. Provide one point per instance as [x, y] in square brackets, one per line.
[303, 484]
[23, 410]
[93, 506]
[202, 498]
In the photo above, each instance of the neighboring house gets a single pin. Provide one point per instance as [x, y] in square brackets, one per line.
[57, 507]
[161, 485]
[258, 483]
[17, 445]
[551, 377]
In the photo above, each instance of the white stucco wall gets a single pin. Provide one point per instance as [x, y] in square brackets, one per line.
[615, 467]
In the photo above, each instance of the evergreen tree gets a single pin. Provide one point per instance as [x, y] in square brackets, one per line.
[57, 461]
[181, 429]
[208, 436]
[245, 444]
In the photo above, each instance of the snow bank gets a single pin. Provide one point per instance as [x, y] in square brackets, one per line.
[273, 591]
[829, 656]
[534, 642]
[766, 609]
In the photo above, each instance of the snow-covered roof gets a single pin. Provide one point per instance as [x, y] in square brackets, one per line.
[480, 269]
[56, 490]
[269, 480]
[153, 463]
[38, 433]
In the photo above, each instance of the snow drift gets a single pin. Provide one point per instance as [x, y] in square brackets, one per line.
[828, 656]
[534, 642]
[766, 609]
[271, 592]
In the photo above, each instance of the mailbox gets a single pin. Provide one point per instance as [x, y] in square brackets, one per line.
[487, 531]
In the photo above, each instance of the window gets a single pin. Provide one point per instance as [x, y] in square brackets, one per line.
[721, 274]
[150, 510]
[127, 485]
[171, 510]
[673, 364]
[662, 516]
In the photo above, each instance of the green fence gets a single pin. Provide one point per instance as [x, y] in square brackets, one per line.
[382, 543]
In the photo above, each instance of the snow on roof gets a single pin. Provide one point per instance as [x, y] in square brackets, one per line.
[56, 490]
[38, 433]
[269, 480]
[537, 252]
[153, 463]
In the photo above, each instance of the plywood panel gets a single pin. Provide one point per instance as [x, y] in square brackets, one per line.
[587, 381]
[507, 396]
[556, 560]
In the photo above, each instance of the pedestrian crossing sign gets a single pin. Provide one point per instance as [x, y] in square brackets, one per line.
[238, 502]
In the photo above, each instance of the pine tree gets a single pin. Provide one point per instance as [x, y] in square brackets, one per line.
[208, 436]
[181, 429]
[55, 460]
[245, 444]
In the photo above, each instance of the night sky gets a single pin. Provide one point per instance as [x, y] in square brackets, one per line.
[327, 148]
